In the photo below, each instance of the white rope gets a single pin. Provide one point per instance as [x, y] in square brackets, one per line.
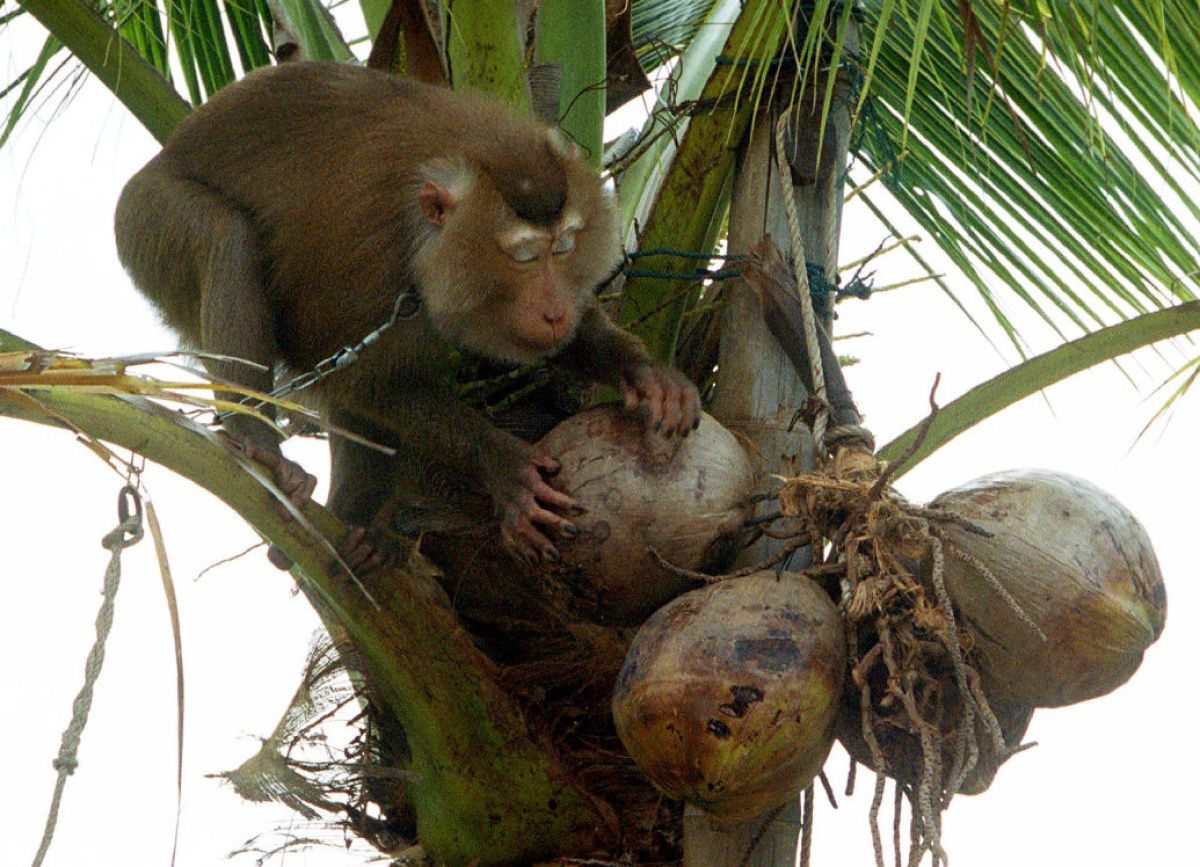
[127, 532]
[799, 267]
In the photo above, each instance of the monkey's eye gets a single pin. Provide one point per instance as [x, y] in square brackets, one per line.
[564, 243]
[523, 253]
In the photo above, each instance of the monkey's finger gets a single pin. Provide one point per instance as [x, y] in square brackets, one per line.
[632, 396]
[556, 522]
[291, 478]
[673, 410]
[654, 405]
[548, 496]
[279, 559]
[307, 485]
[545, 463]
[696, 408]
[358, 553]
[524, 540]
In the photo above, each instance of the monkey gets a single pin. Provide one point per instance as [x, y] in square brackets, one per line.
[283, 219]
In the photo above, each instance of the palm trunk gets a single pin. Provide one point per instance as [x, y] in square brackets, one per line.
[759, 392]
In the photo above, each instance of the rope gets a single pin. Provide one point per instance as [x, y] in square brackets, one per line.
[807, 315]
[127, 532]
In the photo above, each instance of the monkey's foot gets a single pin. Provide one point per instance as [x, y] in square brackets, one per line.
[671, 400]
[363, 552]
[366, 551]
[293, 481]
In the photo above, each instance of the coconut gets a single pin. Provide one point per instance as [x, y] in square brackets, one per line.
[684, 497]
[728, 694]
[1076, 562]
[904, 758]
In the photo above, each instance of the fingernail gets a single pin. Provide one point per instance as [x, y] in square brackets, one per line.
[658, 424]
[552, 555]
[570, 531]
[531, 559]
[579, 509]
[696, 423]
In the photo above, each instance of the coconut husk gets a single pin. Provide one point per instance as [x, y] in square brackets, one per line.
[728, 694]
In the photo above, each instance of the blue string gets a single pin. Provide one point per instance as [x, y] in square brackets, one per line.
[683, 254]
[825, 292]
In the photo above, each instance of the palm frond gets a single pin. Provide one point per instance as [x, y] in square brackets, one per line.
[137, 47]
[686, 211]
[663, 28]
[1039, 372]
[486, 49]
[1046, 148]
[91, 37]
[28, 82]
[571, 38]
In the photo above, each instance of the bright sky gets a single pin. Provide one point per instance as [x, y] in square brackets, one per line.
[1110, 784]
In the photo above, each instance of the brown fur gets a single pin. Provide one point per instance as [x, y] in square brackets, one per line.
[281, 220]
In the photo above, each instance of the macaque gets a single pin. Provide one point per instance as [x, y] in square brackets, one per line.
[283, 219]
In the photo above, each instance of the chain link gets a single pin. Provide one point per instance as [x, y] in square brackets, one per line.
[408, 304]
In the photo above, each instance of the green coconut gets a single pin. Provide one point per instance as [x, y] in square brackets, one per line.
[728, 694]
[1079, 566]
[685, 498]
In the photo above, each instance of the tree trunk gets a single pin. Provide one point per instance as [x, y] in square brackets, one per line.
[759, 392]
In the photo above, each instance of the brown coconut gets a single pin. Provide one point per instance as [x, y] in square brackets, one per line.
[728, 694]
[1078, 564]
[684, 497]
[904, 758]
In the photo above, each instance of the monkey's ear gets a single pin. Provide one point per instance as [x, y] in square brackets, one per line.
[436, 203]
[561, 145]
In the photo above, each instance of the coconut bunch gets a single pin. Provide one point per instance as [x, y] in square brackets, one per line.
[1014, 591]
[921, 637]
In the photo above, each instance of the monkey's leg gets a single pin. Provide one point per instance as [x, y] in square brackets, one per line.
[385, 496]
[237, 321]
[196, 256]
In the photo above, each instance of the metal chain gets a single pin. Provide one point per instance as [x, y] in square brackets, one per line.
[408, 304]
[127, 532]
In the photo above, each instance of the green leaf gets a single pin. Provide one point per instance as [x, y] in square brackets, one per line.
[312, 25]
[487, 50]
[31, 78]
[571, 36]
[113, 60]
[684, 211]
[1039, 197]
[1040, 372]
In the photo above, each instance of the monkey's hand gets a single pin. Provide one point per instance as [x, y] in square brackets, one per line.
[672, 402]
[523, 510]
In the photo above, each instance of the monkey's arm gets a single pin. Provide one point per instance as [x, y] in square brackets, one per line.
[607, 354]
[431, 426]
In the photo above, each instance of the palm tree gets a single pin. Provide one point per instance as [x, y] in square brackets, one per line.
[1041, 145]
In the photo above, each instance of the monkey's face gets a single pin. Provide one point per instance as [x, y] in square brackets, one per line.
[509, 288]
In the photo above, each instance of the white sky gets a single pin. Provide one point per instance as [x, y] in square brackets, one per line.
[1111, 783]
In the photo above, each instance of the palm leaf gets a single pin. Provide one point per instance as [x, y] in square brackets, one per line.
[128, 45]
[486, 50]
[571, 37]
[1040, 372]
[1013, 164]
[28, 81]
[92, 39]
